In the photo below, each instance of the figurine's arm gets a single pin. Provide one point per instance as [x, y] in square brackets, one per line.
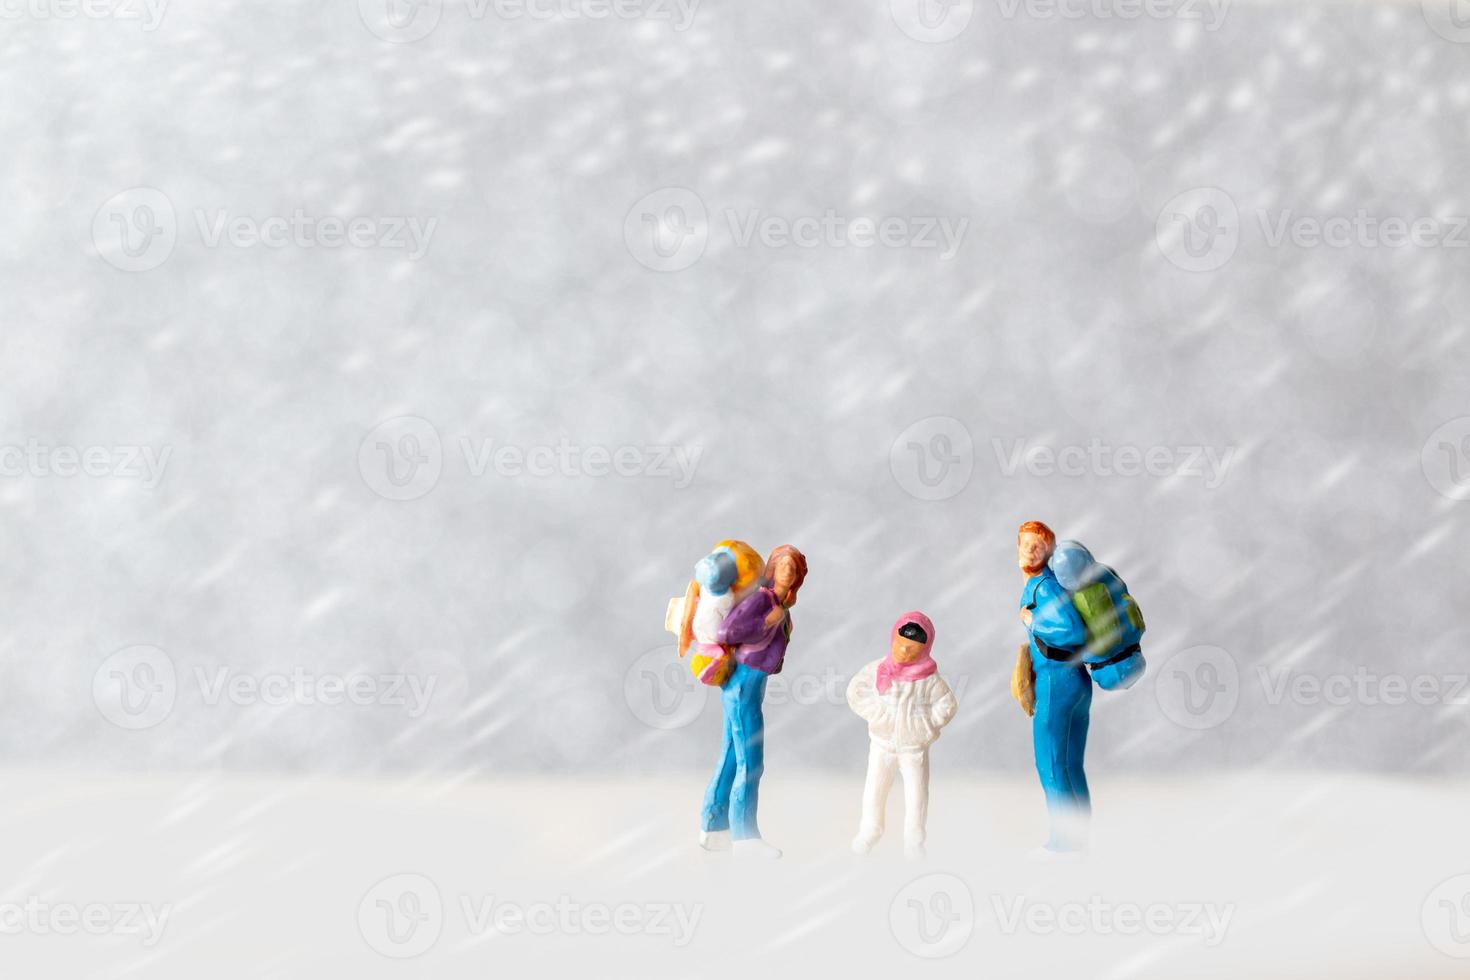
[747, 622]
[944, 705]
[862, 696]
[1055, 621]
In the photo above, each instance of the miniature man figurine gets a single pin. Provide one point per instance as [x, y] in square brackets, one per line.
[1059, 686]
[905, 703]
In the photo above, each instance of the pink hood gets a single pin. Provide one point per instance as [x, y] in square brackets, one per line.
[890, 670]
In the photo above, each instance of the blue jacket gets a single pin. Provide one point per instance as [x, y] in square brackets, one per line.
[1055, 622]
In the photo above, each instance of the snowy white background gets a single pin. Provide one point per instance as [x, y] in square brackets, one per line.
[330, 572]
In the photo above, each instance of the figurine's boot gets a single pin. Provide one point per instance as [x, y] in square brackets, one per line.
[866, 839]
[714, 840]
[756, 847]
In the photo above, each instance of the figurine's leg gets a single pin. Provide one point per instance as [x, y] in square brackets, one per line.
[749, 742]
[915, 768]
[1059, 732]
[1077, 749]
[715, 814]
[881, 766]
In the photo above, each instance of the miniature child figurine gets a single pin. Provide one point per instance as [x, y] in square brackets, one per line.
[757, 631]
[905, 703]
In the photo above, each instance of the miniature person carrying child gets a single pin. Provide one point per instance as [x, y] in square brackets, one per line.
[905, 703]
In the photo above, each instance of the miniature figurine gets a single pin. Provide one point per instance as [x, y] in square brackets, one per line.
[1082, 626]
[734, 618]
[905, 703]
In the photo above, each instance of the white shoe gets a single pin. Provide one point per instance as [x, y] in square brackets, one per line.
[755, 847]
[863, 843]
[914, 852]
[714, 840]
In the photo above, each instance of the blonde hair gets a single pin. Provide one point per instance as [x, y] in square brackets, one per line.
[748, 564]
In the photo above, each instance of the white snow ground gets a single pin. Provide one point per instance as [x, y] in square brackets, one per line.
[1231, 877]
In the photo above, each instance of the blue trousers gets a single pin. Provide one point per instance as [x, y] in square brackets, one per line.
[1059, 736]
[731, 799]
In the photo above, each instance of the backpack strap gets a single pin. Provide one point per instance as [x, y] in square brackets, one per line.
[1118, 657]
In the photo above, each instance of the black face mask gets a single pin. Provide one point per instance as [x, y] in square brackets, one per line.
[913, 631]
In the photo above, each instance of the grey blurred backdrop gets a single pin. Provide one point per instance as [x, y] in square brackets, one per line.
[283, 482]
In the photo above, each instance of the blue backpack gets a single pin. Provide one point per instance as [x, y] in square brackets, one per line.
[1112, 617]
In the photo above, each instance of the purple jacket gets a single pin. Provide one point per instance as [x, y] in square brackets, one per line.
[756, 644]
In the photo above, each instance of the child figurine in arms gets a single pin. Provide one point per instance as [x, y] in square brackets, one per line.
[905, 703]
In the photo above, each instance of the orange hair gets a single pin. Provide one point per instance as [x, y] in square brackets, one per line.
[1036, 527]
[748, 564]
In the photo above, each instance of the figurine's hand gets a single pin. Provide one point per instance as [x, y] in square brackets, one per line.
[1026, 617]
[775, 616]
